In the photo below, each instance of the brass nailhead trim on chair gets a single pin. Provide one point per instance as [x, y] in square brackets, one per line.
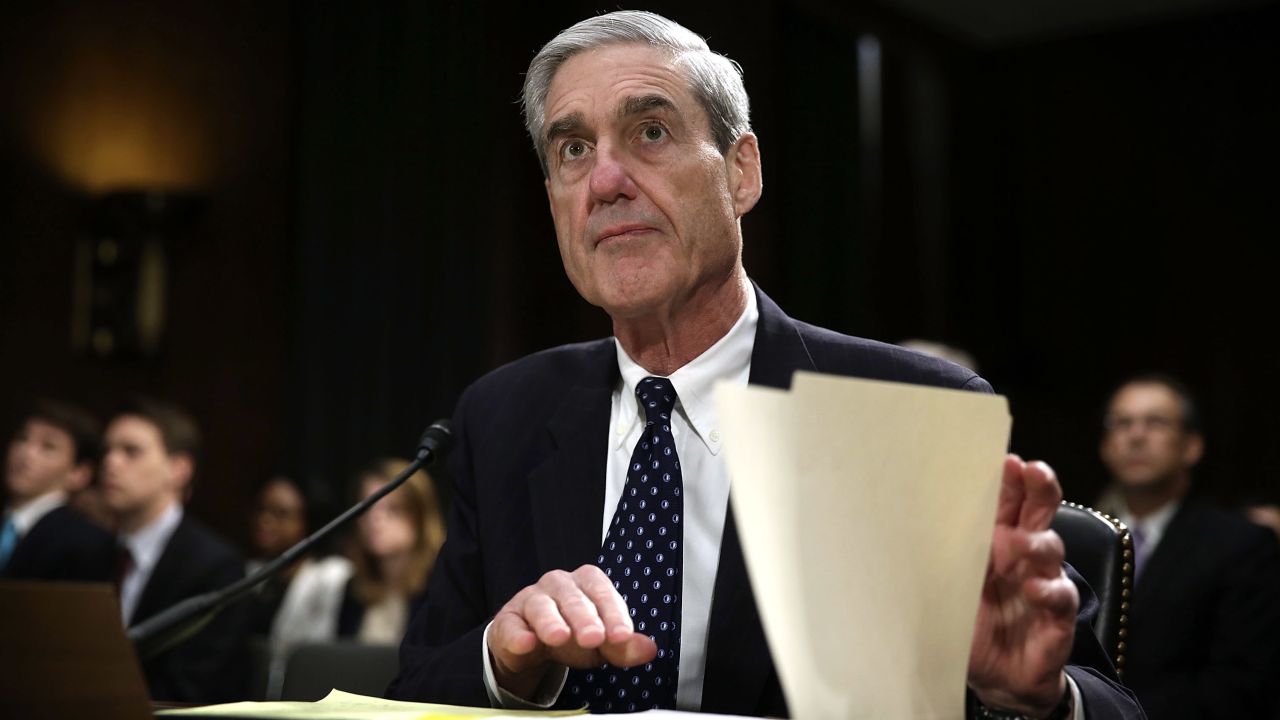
[1126, 542]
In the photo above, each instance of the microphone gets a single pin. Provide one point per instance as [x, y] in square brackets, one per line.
[179, 622]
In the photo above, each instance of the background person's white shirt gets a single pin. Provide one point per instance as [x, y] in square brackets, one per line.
[146, 545]
[25, 517]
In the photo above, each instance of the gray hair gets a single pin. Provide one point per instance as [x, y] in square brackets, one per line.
[715, 80]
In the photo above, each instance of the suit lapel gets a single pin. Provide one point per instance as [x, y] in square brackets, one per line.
[172, 565]
[738, 659]
[567, 488]
[779, 349]
[1162, 568]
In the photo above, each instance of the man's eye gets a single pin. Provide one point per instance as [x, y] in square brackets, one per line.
[573, 150]
[654, 133]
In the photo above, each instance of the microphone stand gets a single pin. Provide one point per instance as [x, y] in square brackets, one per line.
[179, 622]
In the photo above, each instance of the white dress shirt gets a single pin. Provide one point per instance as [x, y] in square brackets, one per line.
[1152, 525]
[699, 441]
[146, 545]
[25, 517]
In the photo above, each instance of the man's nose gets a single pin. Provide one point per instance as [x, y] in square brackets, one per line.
[611, 176]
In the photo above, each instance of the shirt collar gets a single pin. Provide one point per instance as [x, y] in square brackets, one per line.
[147, 543]
[728, 358]
[1153, 524]
[26, 517]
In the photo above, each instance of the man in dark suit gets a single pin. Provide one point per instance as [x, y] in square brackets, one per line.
[650, 163]
[147, 469]
[50, 458]
[1204, 632]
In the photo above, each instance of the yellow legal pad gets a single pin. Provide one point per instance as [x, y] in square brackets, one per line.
[339, 705]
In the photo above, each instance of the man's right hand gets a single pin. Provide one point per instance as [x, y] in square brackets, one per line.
[576, 619]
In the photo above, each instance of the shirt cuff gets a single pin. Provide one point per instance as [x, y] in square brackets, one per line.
[1077, 702]
[546, 694]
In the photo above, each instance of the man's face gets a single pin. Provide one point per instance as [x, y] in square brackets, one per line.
[139, 476]
[646, 208]
[1146, 445]
[42, 459]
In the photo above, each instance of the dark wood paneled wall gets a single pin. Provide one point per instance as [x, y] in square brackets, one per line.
[374, 234]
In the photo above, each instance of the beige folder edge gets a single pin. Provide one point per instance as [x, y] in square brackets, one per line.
[865, 510]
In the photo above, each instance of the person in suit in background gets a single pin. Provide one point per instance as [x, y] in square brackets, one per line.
[150, 457]
[1204, 629]
[394, 549]
[649, 164]
[50, 458]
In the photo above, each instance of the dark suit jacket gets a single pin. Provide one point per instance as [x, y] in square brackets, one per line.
[210, 666]
[1205, 627]
[529, 498]
[63, 545]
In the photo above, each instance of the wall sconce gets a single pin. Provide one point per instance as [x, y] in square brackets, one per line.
[121, 272]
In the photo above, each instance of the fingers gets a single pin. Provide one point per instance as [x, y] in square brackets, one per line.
[1029, 494]
[564, 604]
[1016, 553]
[510, 634]
[1043, 494]
[1057, 596]
[1012, 492]
[549, 616]
[636, 650]
[608, 604]
[572, 618]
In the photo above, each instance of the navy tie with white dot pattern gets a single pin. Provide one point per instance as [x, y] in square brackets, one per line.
[642, 555]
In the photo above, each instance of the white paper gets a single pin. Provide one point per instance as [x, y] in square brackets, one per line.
[339, 705]
[866, 510]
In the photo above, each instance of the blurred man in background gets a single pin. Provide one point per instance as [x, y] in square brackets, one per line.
[1205, 623]
[51, 457]
[151, 449]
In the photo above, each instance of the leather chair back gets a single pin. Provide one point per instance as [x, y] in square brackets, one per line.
[313, 669]
[1099, 547]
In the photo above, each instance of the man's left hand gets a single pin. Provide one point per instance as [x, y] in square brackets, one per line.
[1026, 618]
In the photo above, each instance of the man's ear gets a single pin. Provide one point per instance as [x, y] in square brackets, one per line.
[181, 469]
[746, 179]
[1194, 449]
[79, 477]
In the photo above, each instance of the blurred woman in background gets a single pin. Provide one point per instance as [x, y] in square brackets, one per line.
[301, 603]
[395, 547]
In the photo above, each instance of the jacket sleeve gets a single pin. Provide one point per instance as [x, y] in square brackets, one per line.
[211, 666]
[1103, 696]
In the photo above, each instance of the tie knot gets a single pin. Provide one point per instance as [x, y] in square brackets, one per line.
[656, 396]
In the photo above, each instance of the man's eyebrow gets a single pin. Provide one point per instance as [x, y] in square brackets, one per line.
[570, 124]
[642, 104]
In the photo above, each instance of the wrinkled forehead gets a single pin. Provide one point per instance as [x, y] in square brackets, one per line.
[621, 66]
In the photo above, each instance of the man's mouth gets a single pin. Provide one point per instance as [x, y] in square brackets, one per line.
[621, 232]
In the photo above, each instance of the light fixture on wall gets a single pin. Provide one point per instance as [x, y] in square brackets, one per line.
[122, 271]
